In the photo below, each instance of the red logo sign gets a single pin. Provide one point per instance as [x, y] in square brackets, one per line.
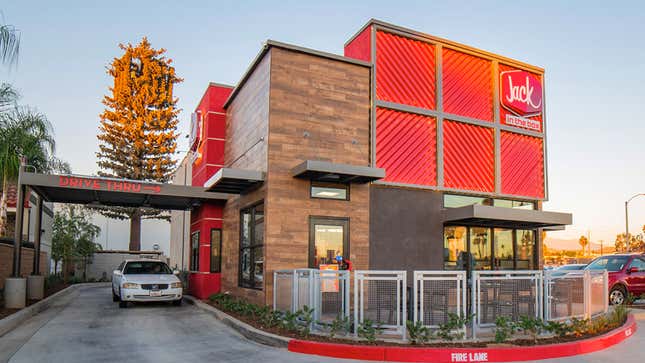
[106, 184]
[521, 93]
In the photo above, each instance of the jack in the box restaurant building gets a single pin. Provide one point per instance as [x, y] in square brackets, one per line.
[408, 152]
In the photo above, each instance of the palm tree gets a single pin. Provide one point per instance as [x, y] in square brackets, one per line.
[9, 44]
[23, 132]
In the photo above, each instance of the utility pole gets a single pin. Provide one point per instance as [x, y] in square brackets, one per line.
[627, 239]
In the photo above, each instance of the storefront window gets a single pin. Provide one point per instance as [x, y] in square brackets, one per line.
[486, 248]
[328, 241]
[216, 250]
[329, 191]
[503, 249]
[480, 247]
[525, 249]
[454, 247]
[194, 251]
[252, 247]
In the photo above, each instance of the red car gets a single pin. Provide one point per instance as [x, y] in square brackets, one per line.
[626, 275]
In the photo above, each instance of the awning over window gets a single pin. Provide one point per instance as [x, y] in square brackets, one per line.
[325, 171]
[481, 215]
[234, 181]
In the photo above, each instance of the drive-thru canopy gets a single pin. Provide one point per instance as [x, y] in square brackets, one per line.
[99, 191]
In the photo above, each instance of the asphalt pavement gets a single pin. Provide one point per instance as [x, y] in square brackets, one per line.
[88, 327]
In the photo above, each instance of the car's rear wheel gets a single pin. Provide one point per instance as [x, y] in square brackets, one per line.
[115, 297]
[177, 302]
[617, 295]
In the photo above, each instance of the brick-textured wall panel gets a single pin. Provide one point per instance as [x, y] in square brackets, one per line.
[329, 100]
[467, 85]
[469, 157]
[503, 111]
[361, 46]
[405, 71]
[247, 121]
[406, 147]
[522, 165]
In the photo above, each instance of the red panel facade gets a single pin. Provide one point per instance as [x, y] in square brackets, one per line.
[361, 46]
[209, 159]
[522, 165]
[405, 71]
[467, 85]
[503, 112]
[468, 157]
[406, 147]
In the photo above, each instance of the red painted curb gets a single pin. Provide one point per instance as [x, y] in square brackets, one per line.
[450, 355]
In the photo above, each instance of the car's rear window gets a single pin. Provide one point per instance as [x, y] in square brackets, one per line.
[609, 263]
[146, 267]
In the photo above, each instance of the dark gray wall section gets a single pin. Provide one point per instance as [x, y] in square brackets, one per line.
[406, 229]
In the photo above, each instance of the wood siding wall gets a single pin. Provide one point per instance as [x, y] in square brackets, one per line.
[247, 122]
[329, 101]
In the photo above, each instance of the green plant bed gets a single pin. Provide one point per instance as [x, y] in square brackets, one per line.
[525, 332]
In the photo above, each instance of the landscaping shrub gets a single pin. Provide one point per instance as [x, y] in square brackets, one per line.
[454, 328]
[417, 332]
[504, 329]
[560, 329]
[530, 326]
[368, 330]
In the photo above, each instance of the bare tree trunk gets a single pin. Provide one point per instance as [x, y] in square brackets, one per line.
[135, 231]
[3, 206]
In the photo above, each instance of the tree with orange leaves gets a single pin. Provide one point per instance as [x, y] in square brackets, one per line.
[138, 130]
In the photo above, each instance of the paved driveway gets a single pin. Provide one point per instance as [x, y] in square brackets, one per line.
[89, 327]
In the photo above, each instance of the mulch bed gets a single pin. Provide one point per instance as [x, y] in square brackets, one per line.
[51, 290]
[327, 339]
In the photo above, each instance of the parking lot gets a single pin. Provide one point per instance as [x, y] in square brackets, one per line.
[88, 326]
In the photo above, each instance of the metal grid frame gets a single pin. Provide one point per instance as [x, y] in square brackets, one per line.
[458, 278]
[588, 279]
[399, 278]
[322, 277]
[299, 296]
[534, 278]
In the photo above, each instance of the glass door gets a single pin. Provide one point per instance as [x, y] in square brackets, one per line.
[328, 241]
[503, 258]
[480, 247]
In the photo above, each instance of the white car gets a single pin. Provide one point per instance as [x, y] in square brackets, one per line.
[145, 280]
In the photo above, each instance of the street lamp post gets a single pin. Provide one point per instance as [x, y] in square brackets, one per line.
[627, 241]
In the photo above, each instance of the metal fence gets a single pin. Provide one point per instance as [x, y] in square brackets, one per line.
[325, 291]
[437, 294]
[509, 294]
[293, 289]
[381, 297]
[575, 294]
[331, 295]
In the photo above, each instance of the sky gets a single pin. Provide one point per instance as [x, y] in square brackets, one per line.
[592, 53]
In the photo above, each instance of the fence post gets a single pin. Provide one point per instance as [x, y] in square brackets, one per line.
[417, 301]
[356, 288]
[587, 293]
[275, 287]
[474, 307]
[539, 287]
[605, 289]
[294, 291]
[404, 292]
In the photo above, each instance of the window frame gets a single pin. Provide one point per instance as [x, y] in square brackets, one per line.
[334, 221]
[342, 186]
[194, 257]
[219, 264]
[250, 283]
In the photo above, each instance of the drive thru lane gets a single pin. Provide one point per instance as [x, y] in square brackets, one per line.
[89, 327]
